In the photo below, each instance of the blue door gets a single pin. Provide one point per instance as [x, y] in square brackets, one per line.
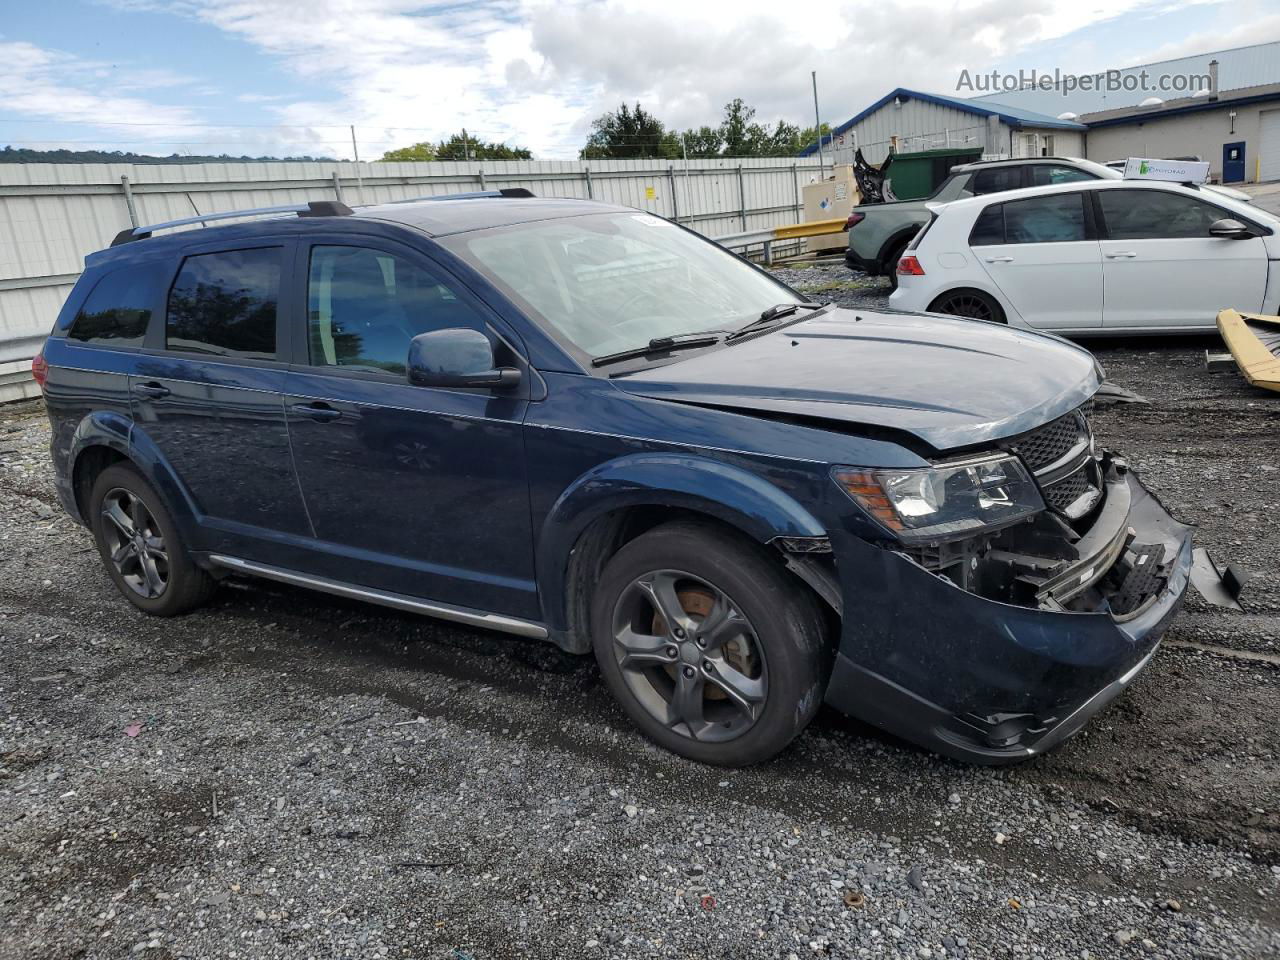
[1233, 162]
[206, 396]
[417, 490]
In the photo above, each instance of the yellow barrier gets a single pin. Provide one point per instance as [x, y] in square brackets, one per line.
[815, 228]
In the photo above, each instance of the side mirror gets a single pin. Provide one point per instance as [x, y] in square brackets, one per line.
[1229, 229]
[457, 357]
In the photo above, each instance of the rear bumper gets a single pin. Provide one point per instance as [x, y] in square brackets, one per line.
[993, 683]
[855, 262]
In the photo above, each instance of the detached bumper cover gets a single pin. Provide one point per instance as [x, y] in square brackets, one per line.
[990, 682]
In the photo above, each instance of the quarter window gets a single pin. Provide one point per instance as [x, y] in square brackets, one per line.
[225, 304]
[989, 227]
[1052, 219]
[364, 306]
[118, 309]
[1153, 214]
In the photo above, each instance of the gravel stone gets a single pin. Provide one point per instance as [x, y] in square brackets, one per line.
[452, 794]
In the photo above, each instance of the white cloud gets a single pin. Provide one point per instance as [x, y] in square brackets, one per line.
[535, 72]
[52, 85]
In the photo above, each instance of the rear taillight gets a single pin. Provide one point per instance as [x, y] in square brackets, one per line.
[854, 220]
[909, 267]
[40, 370]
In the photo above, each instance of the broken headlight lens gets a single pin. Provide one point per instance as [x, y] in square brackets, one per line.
[949, 500]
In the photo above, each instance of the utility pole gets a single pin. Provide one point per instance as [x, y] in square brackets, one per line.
[355, 149]
[466, 150]
[817, 125]
[684, 147]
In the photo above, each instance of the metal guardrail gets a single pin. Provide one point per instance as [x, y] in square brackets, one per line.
[771, 235]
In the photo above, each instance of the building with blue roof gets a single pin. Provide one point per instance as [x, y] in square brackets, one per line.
[1221, 107]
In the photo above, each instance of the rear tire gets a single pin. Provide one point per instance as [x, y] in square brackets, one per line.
[140, 546]
[734, 693]
[972, 304]
[891, 264]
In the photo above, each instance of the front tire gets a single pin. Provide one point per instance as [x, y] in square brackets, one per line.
[140, 546]
[711, 648]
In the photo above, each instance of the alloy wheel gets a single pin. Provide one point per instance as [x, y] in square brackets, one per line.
[966, 305]
[135, 544]
[689, 656]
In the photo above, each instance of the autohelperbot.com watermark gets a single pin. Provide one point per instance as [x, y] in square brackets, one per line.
[1108, 81]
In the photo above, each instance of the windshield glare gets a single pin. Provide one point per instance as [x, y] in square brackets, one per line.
[614, 281]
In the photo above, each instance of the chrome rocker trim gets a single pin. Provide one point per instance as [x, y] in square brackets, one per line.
[442, 611]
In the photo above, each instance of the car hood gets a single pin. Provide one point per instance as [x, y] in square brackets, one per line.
[950, 382]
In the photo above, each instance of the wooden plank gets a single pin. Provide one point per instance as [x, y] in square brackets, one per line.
[1258, 364]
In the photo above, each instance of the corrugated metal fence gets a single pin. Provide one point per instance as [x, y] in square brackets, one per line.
[53, 215]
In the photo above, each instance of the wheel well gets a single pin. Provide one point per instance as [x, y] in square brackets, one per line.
[608, 534]
[89, 466]
[999, 317]
[898, 240]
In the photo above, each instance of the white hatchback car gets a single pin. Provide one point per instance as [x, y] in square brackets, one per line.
[1095, 257]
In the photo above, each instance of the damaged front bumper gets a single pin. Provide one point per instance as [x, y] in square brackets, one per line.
[1009, 650]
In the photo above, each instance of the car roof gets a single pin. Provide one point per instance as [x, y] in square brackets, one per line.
[434, 216]
[1011, 161]
[1218, 199]
[441, 216]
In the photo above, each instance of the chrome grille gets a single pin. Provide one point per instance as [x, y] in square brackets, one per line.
[1060, 456]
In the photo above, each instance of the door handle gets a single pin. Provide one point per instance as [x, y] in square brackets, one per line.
[319, 412]
[151, 391]
[1121, 255]
[999, 259]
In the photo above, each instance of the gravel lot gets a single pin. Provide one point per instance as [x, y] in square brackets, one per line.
[285, 774]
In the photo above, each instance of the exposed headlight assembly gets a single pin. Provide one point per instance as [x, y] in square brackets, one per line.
[945, 501]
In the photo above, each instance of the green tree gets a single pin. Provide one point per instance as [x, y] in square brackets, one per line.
[458, 147]
[629, 133]
[703, 143]
[736, 129]
[419, 151]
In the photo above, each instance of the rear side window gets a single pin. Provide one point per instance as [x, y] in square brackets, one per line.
[1054, 219]
[119, 307]
[989, 227]
[996, 180]
[225, 304]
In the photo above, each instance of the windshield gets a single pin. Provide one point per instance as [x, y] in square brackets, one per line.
[610, 282]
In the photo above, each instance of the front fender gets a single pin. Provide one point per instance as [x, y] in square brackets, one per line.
[680, 481]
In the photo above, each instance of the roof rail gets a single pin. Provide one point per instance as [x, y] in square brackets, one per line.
[511, 193]
[314, 208]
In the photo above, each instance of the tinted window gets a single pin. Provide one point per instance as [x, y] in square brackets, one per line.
[119, 307]
[364, 306]
[989, 228]
[996, 180]
[1143, 214]
[1045, 219]
[1044, 174]
[225, 304]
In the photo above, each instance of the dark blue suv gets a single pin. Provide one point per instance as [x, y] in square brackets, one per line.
[583, 423]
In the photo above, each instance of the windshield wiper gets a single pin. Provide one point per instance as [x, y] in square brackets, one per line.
[682, 341]
[767, 318]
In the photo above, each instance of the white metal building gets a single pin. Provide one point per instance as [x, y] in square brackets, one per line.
[910, 121]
